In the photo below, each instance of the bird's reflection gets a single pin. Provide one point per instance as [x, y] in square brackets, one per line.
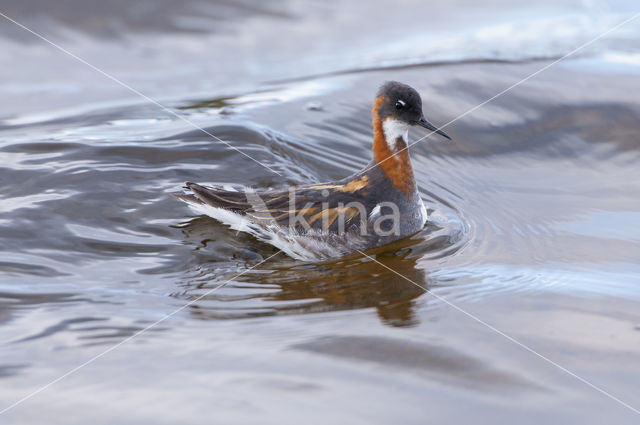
[357, 282]
[284, 286]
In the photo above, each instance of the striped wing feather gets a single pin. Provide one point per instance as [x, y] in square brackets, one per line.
[326, 207]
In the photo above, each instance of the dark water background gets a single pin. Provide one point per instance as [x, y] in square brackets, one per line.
[535, 214]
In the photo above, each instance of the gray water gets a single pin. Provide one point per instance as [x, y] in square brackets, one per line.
[534, 236]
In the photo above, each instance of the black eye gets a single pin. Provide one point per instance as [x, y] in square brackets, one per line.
[399, 104]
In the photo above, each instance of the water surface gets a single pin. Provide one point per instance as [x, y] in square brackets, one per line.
[534, 206]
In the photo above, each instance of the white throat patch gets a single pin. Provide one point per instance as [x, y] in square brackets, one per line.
[392, 130]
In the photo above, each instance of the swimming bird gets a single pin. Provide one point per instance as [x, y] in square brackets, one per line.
[373, 207]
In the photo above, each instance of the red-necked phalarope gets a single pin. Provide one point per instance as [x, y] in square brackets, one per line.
[373, 207]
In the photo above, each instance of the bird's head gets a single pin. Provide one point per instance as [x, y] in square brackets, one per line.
[399, 106]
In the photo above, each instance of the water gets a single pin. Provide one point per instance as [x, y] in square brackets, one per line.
[534, 206]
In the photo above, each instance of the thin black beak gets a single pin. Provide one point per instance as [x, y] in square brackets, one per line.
[422, 122]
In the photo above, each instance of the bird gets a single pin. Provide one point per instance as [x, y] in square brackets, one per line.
[373, 207]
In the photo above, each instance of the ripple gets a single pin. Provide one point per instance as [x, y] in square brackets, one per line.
[442, 364]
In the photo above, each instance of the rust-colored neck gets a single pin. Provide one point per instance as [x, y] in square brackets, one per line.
[397, 168]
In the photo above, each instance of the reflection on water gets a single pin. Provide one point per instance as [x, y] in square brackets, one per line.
[290, 288]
